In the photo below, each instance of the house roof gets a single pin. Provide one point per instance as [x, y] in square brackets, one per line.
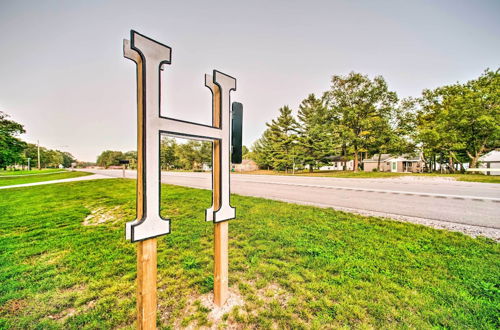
[337, 158]
[492, 156]
[374, 158]
[388, 158]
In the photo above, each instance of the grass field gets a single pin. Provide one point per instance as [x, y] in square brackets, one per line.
[65, 264]
[375, 175]
[13, 180]
[26, 172]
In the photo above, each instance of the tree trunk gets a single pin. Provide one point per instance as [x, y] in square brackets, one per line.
[355, 165]
[378, 162]
[474, 158]
[450, 164]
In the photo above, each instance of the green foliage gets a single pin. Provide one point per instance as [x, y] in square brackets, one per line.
[283, 138]
[361, 110]
[316, 138]
[48, 157]
[262, 150]
[357, 115]
[460, 122]
[361, 116]
[11, 147]
[193, 154]
[294, 266]
[110, 158]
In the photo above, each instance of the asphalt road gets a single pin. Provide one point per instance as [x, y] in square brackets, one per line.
[468, 203]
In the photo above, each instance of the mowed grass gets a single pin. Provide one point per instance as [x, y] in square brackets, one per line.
[294, 266]
[13, 180]
[377, 175]
[25, 172]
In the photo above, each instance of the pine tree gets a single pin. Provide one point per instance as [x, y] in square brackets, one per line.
[283, 139]
[315, 136]
[262, 151]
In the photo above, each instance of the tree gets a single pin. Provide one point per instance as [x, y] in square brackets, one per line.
[357, 105]
[244, 152]
[283, 139]
[131, 156]
[315, 138]
[193, 154]
[110, 158]
[473, 112]
[168, 153]
[460, 121]
[262, 151]
[67, 159]
[11, 147]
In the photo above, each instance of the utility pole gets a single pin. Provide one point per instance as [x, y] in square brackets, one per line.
[38, 144]
[29, 165]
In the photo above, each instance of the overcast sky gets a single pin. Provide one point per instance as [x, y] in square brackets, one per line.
[63, 75]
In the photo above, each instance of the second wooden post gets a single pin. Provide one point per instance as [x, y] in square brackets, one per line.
[221, 259]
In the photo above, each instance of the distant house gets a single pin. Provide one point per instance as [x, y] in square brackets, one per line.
[491, 160]
[247, 165]
[338, 163]
[401, 164]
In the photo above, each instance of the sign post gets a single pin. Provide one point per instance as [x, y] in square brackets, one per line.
[124, 164]
[150, 57]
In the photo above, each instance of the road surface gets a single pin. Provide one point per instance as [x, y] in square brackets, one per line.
[439, 199]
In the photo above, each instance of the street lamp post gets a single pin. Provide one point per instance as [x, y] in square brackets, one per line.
[38, 145]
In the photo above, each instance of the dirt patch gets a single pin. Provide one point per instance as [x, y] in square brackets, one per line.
[273, 292]
[102, 215]
[67, 294]
[216, 316]
[217, 312]
[48, 258]
[63, 315]
[13, 307]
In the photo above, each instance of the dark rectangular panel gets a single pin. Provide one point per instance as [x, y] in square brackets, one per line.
[237, 132]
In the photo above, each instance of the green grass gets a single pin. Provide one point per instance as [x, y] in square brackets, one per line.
[9, 181]
[25, 172]
[295, 266]
[376, 175]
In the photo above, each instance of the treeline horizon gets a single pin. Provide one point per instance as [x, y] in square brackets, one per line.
[359, 117]
[15, 152]
[191, 155]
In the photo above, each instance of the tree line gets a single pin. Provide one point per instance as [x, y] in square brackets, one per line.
[359, 117]
[191, 155]
[14, 151]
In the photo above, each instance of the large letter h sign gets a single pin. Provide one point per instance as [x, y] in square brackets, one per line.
[150, 57]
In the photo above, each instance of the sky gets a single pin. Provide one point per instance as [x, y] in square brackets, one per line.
[63, 74]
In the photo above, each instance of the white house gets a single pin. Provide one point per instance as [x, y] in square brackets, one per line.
[491, 160]
[338, 163]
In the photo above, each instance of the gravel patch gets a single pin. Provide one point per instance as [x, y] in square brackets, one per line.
[414, 178]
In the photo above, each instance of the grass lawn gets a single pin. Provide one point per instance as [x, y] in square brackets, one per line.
[25, 172]
[375, 175]
[9, 181]
[65, 264]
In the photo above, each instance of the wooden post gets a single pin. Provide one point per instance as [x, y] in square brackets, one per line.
[146, 284]
[147, 249]
[221, 260]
